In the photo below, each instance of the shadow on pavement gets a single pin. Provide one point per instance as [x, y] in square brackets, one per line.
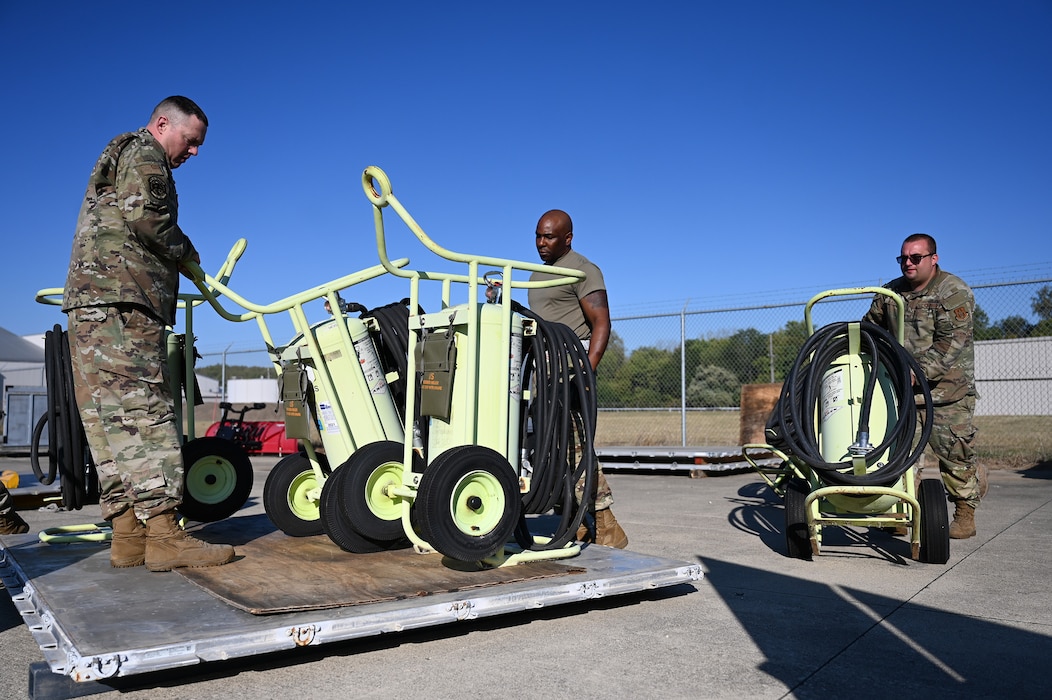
[825, 640]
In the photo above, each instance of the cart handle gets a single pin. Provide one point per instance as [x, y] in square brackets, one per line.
[377, 187]
[857, 291]
[211, 288]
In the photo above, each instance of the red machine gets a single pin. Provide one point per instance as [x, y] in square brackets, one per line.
[261, 437]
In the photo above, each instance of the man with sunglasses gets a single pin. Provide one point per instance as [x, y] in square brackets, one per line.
[938, 333]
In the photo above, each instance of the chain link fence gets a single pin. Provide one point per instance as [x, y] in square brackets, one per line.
[676, 379]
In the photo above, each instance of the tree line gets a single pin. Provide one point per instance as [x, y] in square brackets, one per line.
[1017, 326]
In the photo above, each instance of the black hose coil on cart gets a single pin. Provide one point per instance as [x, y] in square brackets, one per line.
[67, 447]
[791, 424]
[563, 415]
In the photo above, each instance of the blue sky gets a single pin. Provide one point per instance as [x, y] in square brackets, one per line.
[710, 153]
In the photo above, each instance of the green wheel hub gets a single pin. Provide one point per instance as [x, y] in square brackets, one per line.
[477, 503]
[299, 501]
[211, 480]
[377, 491]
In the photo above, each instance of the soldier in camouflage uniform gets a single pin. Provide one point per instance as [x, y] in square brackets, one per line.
[120, 294]
[938, 333]
[11, 522]
[585, 309]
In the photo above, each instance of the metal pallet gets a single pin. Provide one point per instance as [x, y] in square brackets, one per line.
[698, 461]
[163, 621]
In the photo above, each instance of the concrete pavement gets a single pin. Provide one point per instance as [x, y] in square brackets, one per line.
[861, 620]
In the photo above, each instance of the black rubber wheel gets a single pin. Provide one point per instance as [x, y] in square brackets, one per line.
[217, 479]
[797, 542]
[934, 522]
[469, 503]
[337, 525]
[286, 496]
[369, 472]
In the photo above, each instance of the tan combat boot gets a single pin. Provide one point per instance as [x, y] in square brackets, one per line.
[963, 525]
[169, 547]
[128, 546]
[607, 530]
[12, 524]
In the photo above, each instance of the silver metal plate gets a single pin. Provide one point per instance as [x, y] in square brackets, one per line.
[94, 622]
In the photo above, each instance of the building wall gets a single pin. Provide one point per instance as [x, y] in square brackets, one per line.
[252, 390]
[1014, 377]
[22, 374]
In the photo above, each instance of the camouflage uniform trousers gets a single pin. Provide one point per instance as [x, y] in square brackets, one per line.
[120, 377]
[604, 497]
[952, 439]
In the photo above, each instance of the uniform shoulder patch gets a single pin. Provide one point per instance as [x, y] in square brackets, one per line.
[956, 297]
[157, 186]
[960, 313]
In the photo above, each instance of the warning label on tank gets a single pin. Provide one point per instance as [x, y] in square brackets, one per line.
[328, 417]
[371, 367]
[516, 367]
[832, 393]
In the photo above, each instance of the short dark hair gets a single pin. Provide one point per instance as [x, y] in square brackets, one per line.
[181, 105]
[910, 239]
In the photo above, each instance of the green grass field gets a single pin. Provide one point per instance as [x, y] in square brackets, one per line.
[1005, 442]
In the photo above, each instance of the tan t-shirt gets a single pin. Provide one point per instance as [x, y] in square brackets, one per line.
[562, 304]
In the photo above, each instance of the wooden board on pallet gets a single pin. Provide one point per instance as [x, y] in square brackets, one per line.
[278, 574]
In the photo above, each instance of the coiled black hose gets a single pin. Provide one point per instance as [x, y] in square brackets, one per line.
[67, 449]
[563, 415]
[791, 426]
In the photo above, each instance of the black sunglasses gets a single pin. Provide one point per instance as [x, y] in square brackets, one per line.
[915, 258]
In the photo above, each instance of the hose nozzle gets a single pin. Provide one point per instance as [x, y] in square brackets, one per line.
[861, 447]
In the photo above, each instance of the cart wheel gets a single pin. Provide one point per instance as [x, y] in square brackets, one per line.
[217, 479]
[337, 525]
[370, 471]
[286, 496]
[934, 523]
[35, 451]
[797, 543]
[469, 503]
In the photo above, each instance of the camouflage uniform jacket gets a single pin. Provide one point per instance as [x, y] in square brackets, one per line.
[938, 332]
[128, 244]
